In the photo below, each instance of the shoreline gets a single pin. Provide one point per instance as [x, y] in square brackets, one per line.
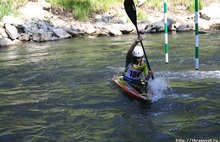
[41, 25]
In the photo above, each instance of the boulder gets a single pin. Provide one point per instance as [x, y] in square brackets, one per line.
[61, 33]
[41, 36]
[159, 26]
[211, 11]
[3, 33]
[89, 28]
[74, 33]
[123, 28]
[5, 42]
[115, 32]
[24, 37]
[33, 10]
[11, 31]
[215, 26]
[185, 27]
[12, 20]
[42, 25]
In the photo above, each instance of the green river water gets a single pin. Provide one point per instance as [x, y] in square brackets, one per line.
[62, 91]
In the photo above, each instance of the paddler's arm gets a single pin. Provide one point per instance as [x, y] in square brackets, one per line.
[147, 73]
[133, 45]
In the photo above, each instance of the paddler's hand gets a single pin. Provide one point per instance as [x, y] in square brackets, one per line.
[138, 39]
[150, 73]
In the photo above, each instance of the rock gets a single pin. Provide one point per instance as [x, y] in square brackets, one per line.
[185, 27]
[118, 20]
[61, 33]
[211, 11]
[89, 28]
[45, 5]
[41, 36]
[24, 37]
[15, 42]
[33, 10]
[2, 24]
[115, 32]
[204, 24]
[42, 25]
[11, 31]
[74, 33]
[5, 42]
[3, 33]
[215, 26]
[159, 26]
[12, 20]
[140, 2]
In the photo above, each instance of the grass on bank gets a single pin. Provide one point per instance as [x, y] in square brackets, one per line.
[8, 7]
[83, 9]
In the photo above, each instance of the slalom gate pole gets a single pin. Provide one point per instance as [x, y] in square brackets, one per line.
[196, 35]
[166, 33]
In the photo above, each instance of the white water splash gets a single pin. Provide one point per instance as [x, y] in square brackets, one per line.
[159, 86]
[191, 75]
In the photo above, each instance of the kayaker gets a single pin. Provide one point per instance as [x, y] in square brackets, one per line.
[136, 66]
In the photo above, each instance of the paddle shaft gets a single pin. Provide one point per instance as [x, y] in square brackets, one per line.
[142, 45]
[131, 12]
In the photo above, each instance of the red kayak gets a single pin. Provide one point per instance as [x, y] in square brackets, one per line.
[129, 90]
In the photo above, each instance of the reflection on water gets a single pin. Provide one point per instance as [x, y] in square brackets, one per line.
[62, 91]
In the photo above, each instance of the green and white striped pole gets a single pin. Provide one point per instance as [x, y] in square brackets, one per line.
[166, 33]
[196, 35]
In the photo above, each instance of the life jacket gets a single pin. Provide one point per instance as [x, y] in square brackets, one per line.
[134, 72]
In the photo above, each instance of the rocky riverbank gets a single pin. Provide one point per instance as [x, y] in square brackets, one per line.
[39, 22]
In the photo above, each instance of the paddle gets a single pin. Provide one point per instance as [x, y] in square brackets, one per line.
[131, 12]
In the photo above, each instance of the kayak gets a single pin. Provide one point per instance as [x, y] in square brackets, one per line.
[131, 91]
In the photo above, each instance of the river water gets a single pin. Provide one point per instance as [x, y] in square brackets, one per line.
[63, 91]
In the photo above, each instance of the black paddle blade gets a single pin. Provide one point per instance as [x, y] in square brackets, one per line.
[131, 11]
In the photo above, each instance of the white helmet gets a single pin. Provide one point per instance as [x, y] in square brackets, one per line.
[138, 52]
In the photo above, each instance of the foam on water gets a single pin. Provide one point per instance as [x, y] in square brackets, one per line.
[191, 74]
[159, 86]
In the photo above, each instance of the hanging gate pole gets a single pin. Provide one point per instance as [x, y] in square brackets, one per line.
[196, 35]
[166, 33]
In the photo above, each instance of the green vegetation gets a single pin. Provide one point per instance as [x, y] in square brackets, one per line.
[83, 9]
[9, 6]
[192, 6]
[5, 8]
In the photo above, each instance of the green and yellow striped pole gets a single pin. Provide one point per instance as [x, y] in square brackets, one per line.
[196, 35]
[166, 33]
